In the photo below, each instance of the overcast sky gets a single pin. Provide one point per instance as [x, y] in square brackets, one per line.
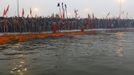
[46, 7]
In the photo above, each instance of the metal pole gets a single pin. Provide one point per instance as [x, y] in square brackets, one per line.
[120, 9]
[119, 19]
[18, 8]
[66, 11]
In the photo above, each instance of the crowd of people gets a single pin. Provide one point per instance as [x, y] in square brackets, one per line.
[21, 24]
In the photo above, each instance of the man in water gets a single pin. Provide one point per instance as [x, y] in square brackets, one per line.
[54, 27]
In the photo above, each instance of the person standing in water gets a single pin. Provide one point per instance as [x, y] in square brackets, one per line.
[54, 27]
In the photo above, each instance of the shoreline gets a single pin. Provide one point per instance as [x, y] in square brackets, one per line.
[6, 38]
[9, 38]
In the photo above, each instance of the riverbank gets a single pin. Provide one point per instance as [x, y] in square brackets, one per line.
[9, 38]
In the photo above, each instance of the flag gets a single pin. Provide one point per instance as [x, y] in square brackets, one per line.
[58, 5]
[108, 14]
[63, 10]
[65, 6]
[7, 9]
[62, 4]
[93, 17]
[4, 12]
[23, 12]
[66, 10]
[76, 13]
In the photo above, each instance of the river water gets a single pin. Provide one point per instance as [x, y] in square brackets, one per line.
[100, 54]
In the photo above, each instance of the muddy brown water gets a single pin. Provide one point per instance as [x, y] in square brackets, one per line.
[101, 54]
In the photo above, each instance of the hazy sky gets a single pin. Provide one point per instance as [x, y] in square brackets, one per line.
[46, 7]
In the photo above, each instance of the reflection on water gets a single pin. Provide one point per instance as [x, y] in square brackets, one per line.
[102, 54]
[120, 37]
[19, 67]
